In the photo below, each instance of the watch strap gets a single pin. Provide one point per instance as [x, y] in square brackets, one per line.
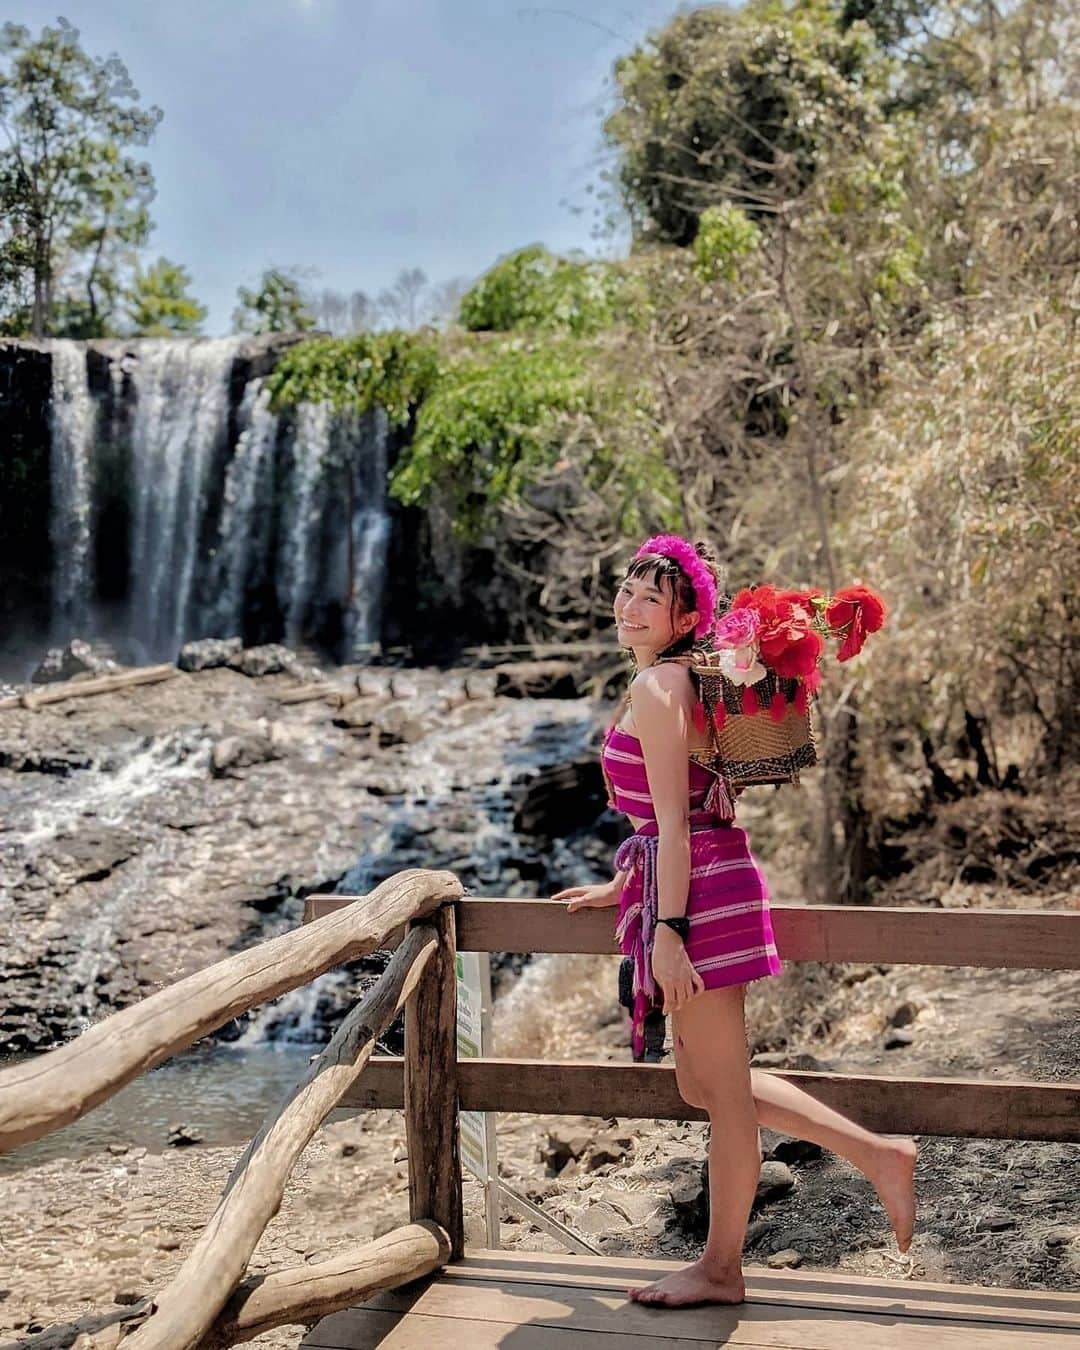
[681, 925]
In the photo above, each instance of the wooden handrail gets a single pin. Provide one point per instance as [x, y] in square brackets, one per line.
[185, 1310]
[56, 1088]
[1004, 938]
[950, 1107]
[304, 1294]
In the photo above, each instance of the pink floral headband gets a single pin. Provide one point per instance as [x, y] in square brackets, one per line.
[682, 552]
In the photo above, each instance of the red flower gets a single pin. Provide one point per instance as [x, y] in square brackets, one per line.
[858, 610]
[799, 658]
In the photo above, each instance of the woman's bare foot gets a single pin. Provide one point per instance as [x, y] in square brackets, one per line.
[690, 1285]
[893, 1176]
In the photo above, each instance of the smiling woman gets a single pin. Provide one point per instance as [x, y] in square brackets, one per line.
[694, 921]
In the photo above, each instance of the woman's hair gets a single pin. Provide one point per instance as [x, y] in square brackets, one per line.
[683, 599]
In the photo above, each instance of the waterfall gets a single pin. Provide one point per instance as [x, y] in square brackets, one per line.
[247, 511]
[311, 453]
[73, 426]
[223, 518]
[181, 411]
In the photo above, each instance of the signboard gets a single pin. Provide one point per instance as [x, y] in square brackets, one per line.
[477, 1128]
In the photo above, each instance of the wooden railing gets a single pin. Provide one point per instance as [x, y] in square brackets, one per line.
[960, 1107]
[205, 1305]
[424, 919]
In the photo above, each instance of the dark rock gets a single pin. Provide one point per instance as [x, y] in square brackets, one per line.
[208, 653]
[562, 799]
[690, 1201]
[904, 1015]
[898, 1038]
[560, 1149]
[795, 1150]
[774, 1180]
[77, 658]
[607, 1148]
[127, 1298]
[537, 679]
[995, 1221]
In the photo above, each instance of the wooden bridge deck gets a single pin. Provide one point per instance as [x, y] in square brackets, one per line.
[538, 1301]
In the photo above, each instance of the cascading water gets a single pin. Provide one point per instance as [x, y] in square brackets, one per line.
[240, 522]
[246, 511]
[311, 455]
[181, 410]
[73, 426]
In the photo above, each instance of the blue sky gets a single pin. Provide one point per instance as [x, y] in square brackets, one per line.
[357, 137]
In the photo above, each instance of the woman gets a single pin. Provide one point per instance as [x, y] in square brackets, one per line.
[688, 861]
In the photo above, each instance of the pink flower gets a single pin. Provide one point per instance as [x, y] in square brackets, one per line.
[737, 628]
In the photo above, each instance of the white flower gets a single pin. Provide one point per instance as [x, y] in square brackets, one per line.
[740, 664]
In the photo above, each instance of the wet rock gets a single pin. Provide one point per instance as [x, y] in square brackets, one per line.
[788, 1259]
[774, 1180]
[561, 799]
[537, 679]
[208, 653]
[182, 1136]
[77, 658]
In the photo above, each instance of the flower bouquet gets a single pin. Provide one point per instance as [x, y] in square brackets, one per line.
[759, 669]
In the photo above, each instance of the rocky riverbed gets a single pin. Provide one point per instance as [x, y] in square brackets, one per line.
[151, 831]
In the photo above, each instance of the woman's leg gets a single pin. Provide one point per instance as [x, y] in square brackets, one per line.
[888, 1163]
[710, 1035]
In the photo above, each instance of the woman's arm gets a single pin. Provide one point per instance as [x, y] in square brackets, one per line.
[661, 723]
[661, 699]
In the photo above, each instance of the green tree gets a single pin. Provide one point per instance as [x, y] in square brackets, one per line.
[277, 306]
[158, 303]
[73, 201]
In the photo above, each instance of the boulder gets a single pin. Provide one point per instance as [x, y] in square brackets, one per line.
[788, 1259]
[77, 658]
[561, 799]
[561, 1148]
[208, 653]
[774, 1180]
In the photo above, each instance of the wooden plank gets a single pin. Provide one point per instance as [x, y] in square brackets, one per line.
[571, 1316]
[959, 1108]
[807, 1288]
[1001, 938]
[431, 1091]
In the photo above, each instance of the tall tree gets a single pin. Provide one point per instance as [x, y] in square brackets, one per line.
[71, 196]
[401, 302]
[276, 306]
[159, 305]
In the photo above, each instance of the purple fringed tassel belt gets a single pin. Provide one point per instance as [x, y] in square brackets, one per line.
[637, 923]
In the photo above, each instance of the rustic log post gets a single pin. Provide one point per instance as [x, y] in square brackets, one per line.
[431, 1090]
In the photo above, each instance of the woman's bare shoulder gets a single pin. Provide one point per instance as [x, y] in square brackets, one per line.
[661, 681]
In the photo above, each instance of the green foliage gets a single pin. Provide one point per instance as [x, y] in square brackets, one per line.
[276, 306]
[744, 106]
[725, 236]
[490, 418]
[158, 303]
[392, 370]
[535, 289]
[73, 202]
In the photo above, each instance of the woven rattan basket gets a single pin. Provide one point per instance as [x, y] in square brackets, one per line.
[752, 749]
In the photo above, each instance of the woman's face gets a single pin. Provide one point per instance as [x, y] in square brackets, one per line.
[643, 614]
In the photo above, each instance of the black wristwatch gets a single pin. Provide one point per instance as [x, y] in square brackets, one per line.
[680, 924]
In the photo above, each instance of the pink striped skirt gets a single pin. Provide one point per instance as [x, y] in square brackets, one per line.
[731, 937]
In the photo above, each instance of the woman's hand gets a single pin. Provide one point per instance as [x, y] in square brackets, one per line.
[600, 896]
[672, 971]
